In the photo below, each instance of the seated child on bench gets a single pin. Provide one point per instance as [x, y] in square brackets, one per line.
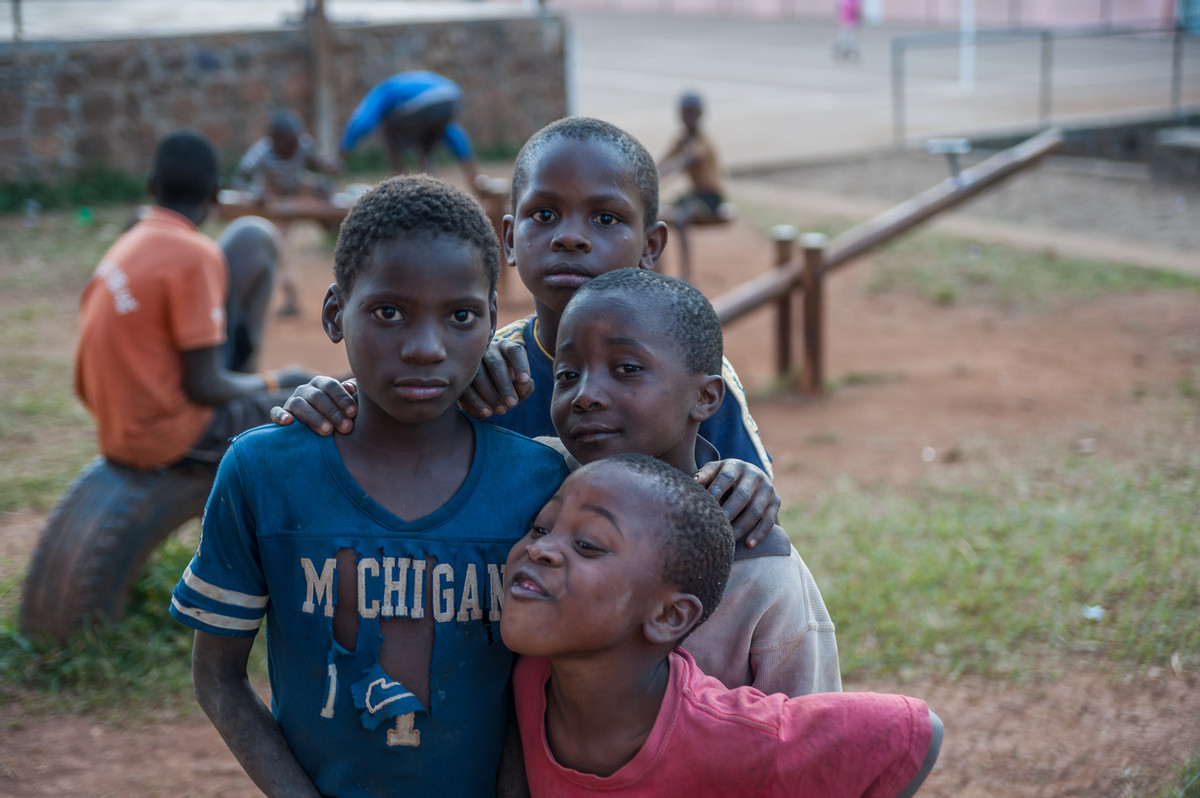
[619, 566]
[285, 163]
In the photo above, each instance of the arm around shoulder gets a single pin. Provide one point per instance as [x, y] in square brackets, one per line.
[242, 719]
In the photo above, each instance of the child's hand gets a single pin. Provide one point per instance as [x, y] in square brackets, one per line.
[323, 404]
[501, 382]
[746, 495]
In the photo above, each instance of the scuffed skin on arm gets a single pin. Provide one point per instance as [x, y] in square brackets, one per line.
[242, 719]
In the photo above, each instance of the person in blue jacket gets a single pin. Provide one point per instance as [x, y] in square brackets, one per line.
[416, 110]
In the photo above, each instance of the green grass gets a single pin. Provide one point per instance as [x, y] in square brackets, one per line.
[145, 658]
[94, 186]
[139, 665]
[1187, 781]
[993, 578]
[44, 431]
[947, 270]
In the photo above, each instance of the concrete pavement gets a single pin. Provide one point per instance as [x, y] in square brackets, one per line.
[774, 93]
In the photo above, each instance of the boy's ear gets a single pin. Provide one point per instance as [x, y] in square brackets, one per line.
[331, 314]
[708, 398]
[656, 242]
[673, 618]
[506, 239]
[492, 309]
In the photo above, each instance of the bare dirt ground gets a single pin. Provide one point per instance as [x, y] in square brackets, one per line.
[1000, 389]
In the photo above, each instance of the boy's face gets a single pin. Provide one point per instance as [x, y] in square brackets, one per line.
[285, 144]
[579, 216]
[621, 385]
[416, 323]
[689, 114]
[586, 576]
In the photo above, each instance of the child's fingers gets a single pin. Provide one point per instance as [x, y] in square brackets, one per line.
[280, 416]
[313, 406]
[760, 514]
[734, 487]
[759, 534]
[473, 404]
[708, 472]
[746, 495]
[503, 378]
[518, 366]
[484, 389]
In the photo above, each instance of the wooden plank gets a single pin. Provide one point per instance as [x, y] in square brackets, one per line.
[232, 204]
[945, 195]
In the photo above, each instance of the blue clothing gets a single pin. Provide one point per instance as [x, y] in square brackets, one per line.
[407, 93]
[731, 429]
[282, 507]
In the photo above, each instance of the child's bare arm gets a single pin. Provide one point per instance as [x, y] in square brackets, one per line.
[501, 382]
[746, 495]
[243, 720]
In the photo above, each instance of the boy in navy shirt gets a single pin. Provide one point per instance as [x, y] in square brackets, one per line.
[375, 557]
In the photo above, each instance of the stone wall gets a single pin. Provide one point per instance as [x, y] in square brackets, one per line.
[65, 106]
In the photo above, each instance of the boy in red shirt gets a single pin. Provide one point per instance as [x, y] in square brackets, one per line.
[171, 323]
[621, 564]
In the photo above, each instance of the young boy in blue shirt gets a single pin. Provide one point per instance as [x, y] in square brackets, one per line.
[585, 202]
[637, 371]
[375, 557]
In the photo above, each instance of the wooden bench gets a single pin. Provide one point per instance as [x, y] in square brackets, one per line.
[327, 212]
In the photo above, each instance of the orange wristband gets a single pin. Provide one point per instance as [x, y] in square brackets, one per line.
[272, 381]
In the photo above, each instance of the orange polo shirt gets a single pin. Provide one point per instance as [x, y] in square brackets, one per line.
[158, 292]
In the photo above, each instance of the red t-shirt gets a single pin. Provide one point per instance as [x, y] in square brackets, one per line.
[158, 292]
[709, 740]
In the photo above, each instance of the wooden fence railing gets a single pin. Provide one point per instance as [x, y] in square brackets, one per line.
[802, 262]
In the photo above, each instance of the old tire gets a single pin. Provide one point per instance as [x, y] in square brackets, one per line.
[98, 539]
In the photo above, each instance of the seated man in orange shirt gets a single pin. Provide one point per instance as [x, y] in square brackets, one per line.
[171, 323]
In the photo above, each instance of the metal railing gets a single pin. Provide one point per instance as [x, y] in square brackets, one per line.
[1047, 36]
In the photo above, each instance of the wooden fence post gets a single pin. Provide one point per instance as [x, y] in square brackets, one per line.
[812, 378]
[784, 236]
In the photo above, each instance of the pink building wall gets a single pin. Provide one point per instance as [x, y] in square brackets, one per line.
[921, 13]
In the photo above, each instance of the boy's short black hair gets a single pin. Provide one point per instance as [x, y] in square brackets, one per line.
[638, 160]
[686, 314]
[284, 122]
[185, 170]
[401, 206]
[695, 538]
